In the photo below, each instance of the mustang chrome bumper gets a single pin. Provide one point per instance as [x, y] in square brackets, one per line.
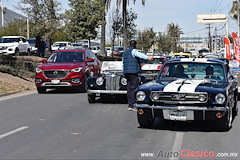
[182, 108]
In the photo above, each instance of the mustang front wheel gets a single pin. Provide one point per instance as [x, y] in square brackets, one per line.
[225, 123]
[145, 122]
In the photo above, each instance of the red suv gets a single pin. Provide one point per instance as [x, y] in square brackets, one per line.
[67, 68]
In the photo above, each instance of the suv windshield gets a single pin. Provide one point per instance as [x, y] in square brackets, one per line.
[61, 57]
[9, 40]
[193, 71]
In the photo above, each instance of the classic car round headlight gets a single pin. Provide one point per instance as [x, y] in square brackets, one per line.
[202, 97]
[99, 81]
[155, 96]
[220, 98]
[124, 81]
[140, 95]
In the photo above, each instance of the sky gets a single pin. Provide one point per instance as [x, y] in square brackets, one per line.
[159, 13]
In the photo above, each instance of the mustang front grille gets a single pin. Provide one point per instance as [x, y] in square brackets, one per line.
[112, 82]
[174, 98]
[56, 74]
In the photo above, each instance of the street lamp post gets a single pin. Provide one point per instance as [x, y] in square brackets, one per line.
[2, 13]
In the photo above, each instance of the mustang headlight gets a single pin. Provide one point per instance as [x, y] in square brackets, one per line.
[141, 95]
[76, 69]
[155, 96]
[202, 97]
[124, 81]
[38, 70]
[100, 81]
[220, 98]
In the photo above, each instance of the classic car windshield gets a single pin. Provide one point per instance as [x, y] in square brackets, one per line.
[193, 71]
[112, 66]
[61, 57]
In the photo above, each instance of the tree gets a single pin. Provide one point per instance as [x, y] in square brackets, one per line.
[146, 39]
[43, 15]
[16, 27]
[174, 31]
[163, 43]
[124, 13]
[85, 17]
[234, 10]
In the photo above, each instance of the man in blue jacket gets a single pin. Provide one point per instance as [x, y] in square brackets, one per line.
[131, 69]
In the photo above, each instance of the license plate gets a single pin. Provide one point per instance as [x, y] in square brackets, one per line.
[55, 81]
[178, 115]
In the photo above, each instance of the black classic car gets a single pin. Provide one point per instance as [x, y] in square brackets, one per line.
[190, 89]
[111, 82]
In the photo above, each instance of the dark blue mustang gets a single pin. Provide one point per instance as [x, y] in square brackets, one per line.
[190, 89]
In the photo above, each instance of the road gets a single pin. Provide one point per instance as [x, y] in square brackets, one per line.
[64, 126]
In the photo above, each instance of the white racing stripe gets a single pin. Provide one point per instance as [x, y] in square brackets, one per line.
[173, 86]
[13, 131]
[190, 86]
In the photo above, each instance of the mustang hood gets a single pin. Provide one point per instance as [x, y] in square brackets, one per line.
[59, 66]
[187, 86]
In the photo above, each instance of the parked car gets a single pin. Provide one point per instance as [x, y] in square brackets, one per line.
[15, 45]
[32, 43]
[111, 82]
[185, 91]
[109, 51]
[181, 55]
[61, 45]
[95, 49]
[67, 68]
[118, 50]
[76, 46]
[150, 69]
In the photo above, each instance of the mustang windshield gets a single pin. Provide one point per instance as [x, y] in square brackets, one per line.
[193, 71]
[61, 57]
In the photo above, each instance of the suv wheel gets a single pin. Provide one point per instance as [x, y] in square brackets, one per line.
[84, 86]
[41, 90]
[145, 122]
[16, 52]
[28, 53]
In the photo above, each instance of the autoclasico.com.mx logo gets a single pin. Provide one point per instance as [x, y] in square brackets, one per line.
[190, 154]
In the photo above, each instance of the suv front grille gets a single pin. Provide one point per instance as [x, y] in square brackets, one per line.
[112, 82]
[56, 74]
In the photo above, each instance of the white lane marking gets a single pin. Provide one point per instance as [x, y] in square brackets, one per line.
[177, 145]
[13, 131]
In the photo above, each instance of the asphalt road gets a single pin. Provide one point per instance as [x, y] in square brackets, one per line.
[64, 126]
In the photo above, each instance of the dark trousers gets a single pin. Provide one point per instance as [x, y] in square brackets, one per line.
[132, 84]
[41, 51]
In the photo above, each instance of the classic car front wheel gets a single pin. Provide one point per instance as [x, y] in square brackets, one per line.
[91, 98]
[225, 123]
[145, 122]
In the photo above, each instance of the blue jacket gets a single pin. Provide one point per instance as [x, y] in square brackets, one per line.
[131, 64]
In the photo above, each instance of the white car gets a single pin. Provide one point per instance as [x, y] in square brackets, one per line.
[109, 51]
[14, 45]
[61, 45]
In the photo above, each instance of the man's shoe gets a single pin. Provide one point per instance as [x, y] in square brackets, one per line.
[132, 109]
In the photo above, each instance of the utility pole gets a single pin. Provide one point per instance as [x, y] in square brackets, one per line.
[27, 27]
[2, 13]
[209, 37]
[238, 17]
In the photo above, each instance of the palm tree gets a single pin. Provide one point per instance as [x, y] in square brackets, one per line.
[124, 11]
[106, 4]
[174, 31]
[234, 10]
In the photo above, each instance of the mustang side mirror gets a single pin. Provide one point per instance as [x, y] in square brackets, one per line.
[90, 60]
[44, 61]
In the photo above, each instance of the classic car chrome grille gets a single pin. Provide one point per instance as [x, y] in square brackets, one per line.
[56, 74]
[112, 82]
[176, 97]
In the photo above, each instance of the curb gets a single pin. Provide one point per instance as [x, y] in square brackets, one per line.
[9, 93]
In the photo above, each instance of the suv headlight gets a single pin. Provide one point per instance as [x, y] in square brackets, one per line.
[38, 70]
[141, 95]
[124, 81]
[76, 69]
[220, 98]
[99, 81]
